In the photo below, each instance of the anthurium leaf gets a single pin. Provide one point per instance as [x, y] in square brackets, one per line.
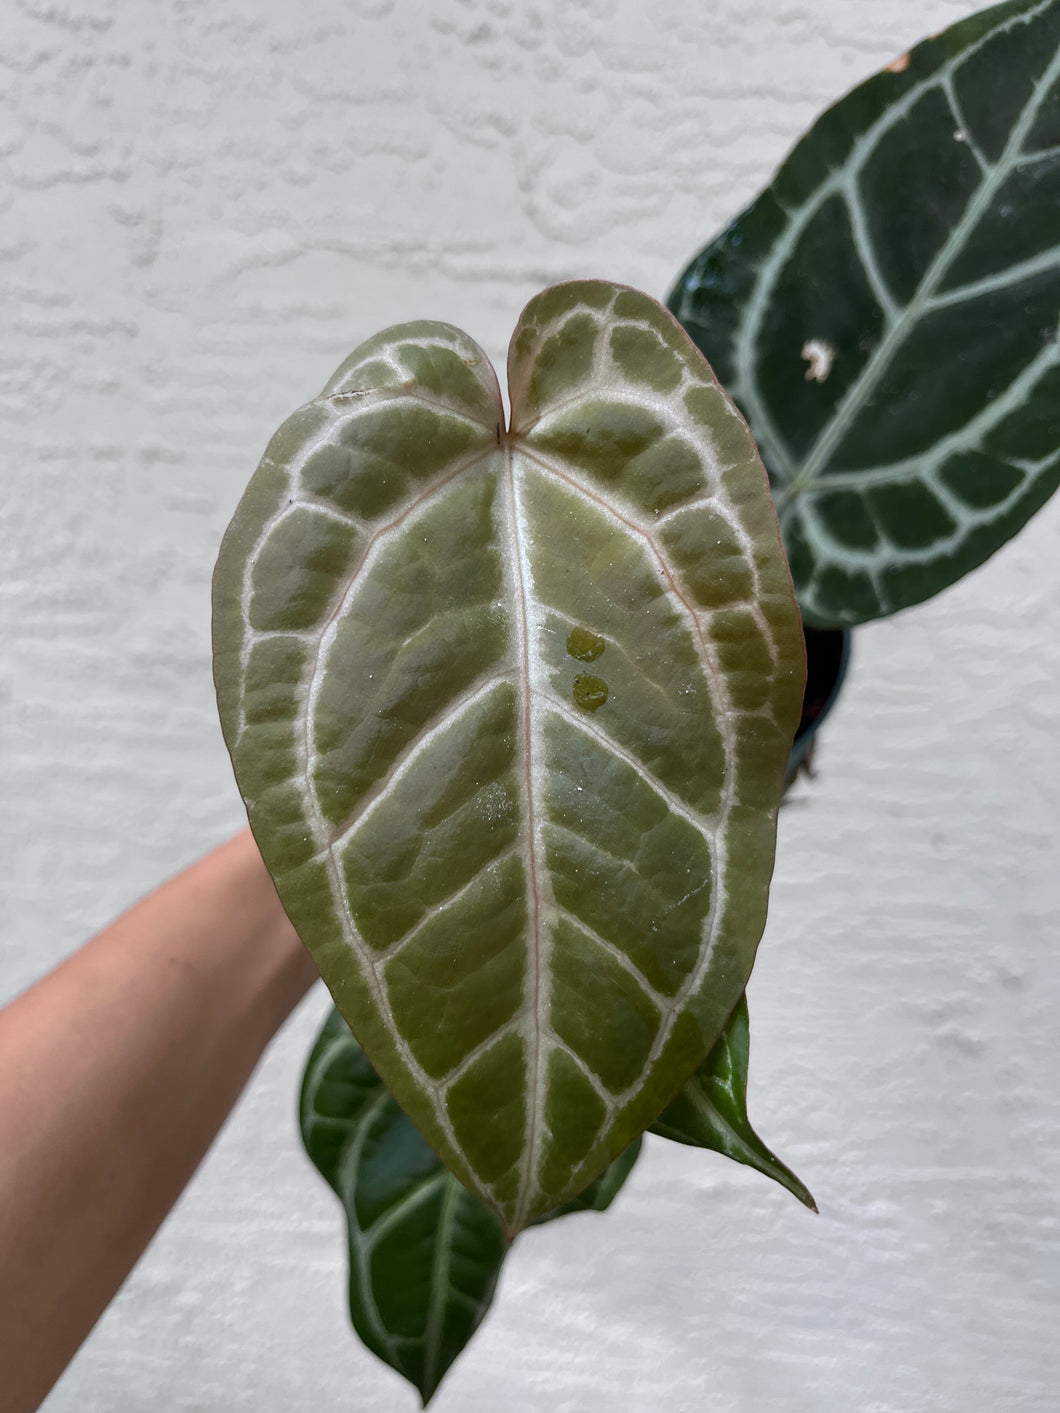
[885, 315]
[711, 1110]
[511, 710]
[424, 1252]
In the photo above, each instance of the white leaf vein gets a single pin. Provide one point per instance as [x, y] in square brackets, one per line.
[662, 1003]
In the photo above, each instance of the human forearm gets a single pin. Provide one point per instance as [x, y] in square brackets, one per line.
[116, 1072]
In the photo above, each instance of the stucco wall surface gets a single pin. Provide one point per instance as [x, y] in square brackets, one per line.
[203, 208]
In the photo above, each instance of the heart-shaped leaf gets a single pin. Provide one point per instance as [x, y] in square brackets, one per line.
[885, 314]
[711, 1110]
[511, 712]
[424, 1252]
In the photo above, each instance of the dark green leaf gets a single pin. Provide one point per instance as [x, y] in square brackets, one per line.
[885, 315]
[711, 1110]
[424, 1252]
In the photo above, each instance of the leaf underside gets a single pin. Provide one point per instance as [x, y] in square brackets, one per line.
[424, 1253]
[886, 316]
[510, 710]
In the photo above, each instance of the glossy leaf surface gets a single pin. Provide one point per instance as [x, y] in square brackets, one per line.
[711, 1110]
[511, 711]
[886, 316]
[424, 1252]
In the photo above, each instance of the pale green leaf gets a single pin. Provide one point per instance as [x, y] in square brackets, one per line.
[886, 316]
[511, 710]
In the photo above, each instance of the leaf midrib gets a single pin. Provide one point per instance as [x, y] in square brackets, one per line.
[439, 1282]
[538, 996]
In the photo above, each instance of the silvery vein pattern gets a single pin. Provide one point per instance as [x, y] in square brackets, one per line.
[424, 1253]
[886, 316]
[510, 709]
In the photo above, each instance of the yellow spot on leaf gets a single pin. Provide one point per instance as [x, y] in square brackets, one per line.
[590, 692]
[585, 645]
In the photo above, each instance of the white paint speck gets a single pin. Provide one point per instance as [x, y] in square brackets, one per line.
[820, 355]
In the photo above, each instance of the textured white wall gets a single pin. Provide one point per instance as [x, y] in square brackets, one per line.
[203, 207]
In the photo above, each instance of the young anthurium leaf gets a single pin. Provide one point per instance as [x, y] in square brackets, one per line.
[511, 712]
[885, 315]
[425, 1253]
[711, 1110]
